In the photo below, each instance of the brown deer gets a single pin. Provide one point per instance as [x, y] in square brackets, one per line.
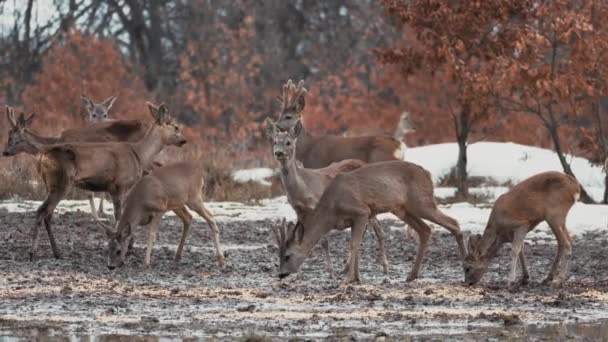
[404, 127]
[108, 167]
[353, 198]
[304, 186]
[20, 136]
[317, 152]
[171, 187]
[547, 196]
[97, 112]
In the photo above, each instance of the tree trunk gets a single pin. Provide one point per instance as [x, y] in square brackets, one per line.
[462, 135]
[552, 127]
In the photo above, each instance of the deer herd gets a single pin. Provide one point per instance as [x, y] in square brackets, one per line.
[332, 183]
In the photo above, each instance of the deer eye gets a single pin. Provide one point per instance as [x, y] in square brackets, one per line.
[288, 143]
[287, 257]
[288, 117]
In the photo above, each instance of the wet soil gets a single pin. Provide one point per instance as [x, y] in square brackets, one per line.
[78, 296]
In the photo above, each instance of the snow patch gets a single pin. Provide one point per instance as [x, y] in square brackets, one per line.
[259, 175]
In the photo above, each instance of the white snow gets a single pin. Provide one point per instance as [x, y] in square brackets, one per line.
[259, 175]
[504, 162]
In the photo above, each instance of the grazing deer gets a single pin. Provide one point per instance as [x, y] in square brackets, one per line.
[97, 112]
[353, 198]
[304, 187]
[171, 187]
[547, 196]
[317, 152]
[108, 167]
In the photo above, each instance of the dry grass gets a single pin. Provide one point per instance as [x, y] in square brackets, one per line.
[19, 178]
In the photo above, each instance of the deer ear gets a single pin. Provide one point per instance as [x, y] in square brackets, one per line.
[473, 243]
[300, 104]
[10, 116]
[153, 110]
[28, 121]
[163, 113]
[299, 232]
[86, 102]
[270, 128]
[296, 129]
[109, 102]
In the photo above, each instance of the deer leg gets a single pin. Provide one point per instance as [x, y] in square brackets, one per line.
[152, 232]
[117, 203]
[409, 232]
[45, 213]
[357, 233]
[524, 266]
[325, 246]
[101, 211]
[186, 218]
[199, 207]
[561, 264]
[379, 232]
[516, 249]
[436, 216]
[92, 204]
[424, 236]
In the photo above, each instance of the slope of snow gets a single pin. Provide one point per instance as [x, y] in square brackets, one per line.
[504, 162]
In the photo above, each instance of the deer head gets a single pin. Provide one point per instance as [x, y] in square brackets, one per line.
[283, 142]
[97, 112]
[475, 262]
[404, 126]
[292, 104]
[17, 139]
[118, 241]
[171, 132]
[288, 237]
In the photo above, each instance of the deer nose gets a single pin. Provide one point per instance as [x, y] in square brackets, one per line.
[110, 266]
[5, 153]
[182, 142]
[279, 154]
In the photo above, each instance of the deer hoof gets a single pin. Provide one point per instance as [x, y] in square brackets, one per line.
[547, 280]
[221, 261]
[32, 256]
[411, 277]
[525, 281]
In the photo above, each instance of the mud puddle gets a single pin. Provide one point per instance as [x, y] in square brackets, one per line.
[78, 298]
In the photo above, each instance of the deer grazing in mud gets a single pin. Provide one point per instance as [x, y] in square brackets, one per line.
[170, 187]
[317, 152]
[304, 187]
[95, 113]
[353, 198]
[547, 196]
[100, 167]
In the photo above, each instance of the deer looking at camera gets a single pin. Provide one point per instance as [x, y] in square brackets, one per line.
[547, 196]
[95, 113]
[170, 187]
[321, 151]
[304, 186]
[100, 167]
[353, 198]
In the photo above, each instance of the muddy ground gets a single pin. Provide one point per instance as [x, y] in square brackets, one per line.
[78, 296]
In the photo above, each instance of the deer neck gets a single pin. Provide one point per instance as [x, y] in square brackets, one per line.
[290, 174]
[303, 143]
[35, 141]
[490, 243]
[399, 134]
[316, 225]
[149, 146]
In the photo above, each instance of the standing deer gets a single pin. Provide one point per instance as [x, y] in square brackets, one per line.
[404, 127]
[317, 152]
[353, 198]
[171, 187]
[547, 196]
[97, 112]
[20, 135]
[304, 186]
[108, 167]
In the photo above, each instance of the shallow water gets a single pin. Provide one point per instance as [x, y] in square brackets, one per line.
[587, 331]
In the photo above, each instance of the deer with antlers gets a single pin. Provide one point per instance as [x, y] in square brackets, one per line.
[353, 198]
[305, 186]
[317, 152]
[100, 167]
[173, 187]
[547, 196]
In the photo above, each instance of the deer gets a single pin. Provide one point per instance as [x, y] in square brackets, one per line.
[548, 197]
[100, 167]
[351, 199]
[320, 151]
[173, 187]
[305, 186]
[95, 113]
[98, 131]
[404, 126]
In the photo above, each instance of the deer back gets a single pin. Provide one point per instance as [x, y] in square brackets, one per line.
[119, 130]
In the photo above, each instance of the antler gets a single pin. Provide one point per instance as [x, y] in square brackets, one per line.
[291, 93]
[279, 229]
[106, 228]
[10, 114]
